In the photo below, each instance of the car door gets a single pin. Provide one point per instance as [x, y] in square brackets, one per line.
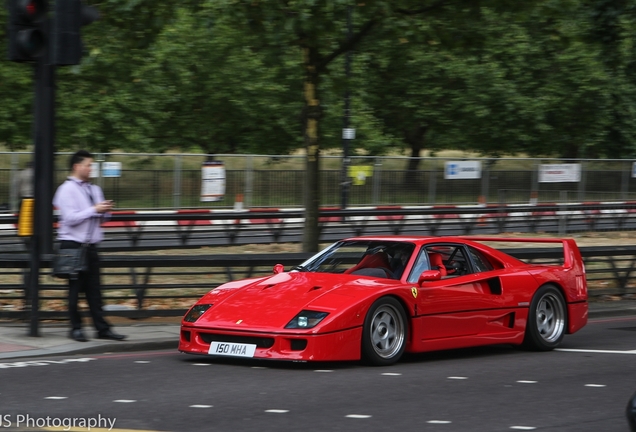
[463, 301]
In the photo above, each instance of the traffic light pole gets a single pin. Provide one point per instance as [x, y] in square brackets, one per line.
[44, 138]
[36, 37]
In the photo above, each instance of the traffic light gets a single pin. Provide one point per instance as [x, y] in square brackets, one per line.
[70, 16]
[27, 29]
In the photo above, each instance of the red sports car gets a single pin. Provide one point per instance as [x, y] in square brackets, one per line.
[374, 298]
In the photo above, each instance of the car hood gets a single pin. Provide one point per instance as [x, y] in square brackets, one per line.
[270, 303]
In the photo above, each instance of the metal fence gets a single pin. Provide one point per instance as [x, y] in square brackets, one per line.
[167, 285]
[174, 181]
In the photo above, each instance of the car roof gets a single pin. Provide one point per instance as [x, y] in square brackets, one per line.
[410, 239]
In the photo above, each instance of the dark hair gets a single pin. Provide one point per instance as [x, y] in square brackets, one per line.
[78, 157]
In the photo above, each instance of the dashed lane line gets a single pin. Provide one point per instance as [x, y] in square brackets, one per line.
[595, 351]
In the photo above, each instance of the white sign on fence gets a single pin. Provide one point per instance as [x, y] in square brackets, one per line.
[94, 170]
[111, 169]
[212, 181]
[348, 133]
[557, 173]
[462, 170]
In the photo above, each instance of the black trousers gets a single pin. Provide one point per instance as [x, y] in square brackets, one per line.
[89, 283]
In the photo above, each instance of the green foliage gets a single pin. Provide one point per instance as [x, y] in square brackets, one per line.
[540, 77]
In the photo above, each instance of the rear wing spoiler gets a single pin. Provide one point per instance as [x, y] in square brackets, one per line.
[571, 255]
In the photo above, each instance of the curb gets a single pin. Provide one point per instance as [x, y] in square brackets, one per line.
[93, 349]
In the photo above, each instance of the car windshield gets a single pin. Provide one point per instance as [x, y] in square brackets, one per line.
[362, 257]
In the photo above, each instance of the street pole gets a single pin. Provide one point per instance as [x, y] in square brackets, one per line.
[347, 133]
[43, 155]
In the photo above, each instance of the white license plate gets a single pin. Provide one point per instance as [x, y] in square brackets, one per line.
[232, 349]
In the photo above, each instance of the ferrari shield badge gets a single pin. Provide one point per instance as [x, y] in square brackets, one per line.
[414, 292]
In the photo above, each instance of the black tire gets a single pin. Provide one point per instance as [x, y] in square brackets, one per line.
[384, 333]
[547, 319]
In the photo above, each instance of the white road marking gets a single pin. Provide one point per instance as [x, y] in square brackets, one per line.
[523, 427]
[56, 397]
[391, 374]
[200, 406]
[358, 416]
[258, 367]
[200, 364]
[457, 378]
[526, 382]
[595, 351]
[323, 370]
[142, 361]
[124, 400]
[43, 362]
[595, 385]
[439, 422]
[276, 411]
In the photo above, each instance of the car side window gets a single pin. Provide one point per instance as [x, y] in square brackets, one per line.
[456, 262]
[449, 259]
[479, 261]
[421, 264]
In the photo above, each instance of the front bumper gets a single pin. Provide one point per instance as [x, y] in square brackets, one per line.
[337, 346]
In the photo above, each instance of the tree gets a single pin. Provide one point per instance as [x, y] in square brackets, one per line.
[16, 98]
[316, 30]
[204, 86]
[494, 80]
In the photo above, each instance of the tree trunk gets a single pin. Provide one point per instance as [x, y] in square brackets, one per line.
[415, 139]
[311, 117]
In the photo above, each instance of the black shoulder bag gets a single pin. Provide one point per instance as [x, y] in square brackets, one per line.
[68, 263]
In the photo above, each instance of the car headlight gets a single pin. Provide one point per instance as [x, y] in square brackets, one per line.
[306, 319]
[195, 312]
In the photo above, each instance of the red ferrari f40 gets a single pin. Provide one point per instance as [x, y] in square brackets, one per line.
[375, 298]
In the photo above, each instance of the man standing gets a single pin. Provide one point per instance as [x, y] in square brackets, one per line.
[82, 208]
[23, 184]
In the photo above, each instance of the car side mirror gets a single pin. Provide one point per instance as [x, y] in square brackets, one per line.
[279, 268]
[429, 276]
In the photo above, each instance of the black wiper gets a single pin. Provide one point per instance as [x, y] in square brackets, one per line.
[300, 268]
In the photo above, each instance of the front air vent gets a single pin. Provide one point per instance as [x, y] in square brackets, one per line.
[298, 344]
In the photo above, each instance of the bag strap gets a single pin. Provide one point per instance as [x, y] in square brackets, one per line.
[90, 197]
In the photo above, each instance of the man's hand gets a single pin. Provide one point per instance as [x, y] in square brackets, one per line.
[104, 206]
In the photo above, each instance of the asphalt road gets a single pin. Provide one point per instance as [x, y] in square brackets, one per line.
[584, 386]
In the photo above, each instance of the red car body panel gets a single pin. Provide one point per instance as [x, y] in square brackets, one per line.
[483, 308]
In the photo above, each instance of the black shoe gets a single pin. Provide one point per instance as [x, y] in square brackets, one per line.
[109, 334]
[78, 335]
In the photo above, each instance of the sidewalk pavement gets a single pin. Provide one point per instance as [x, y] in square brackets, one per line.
[53, 339]
[156, 334]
